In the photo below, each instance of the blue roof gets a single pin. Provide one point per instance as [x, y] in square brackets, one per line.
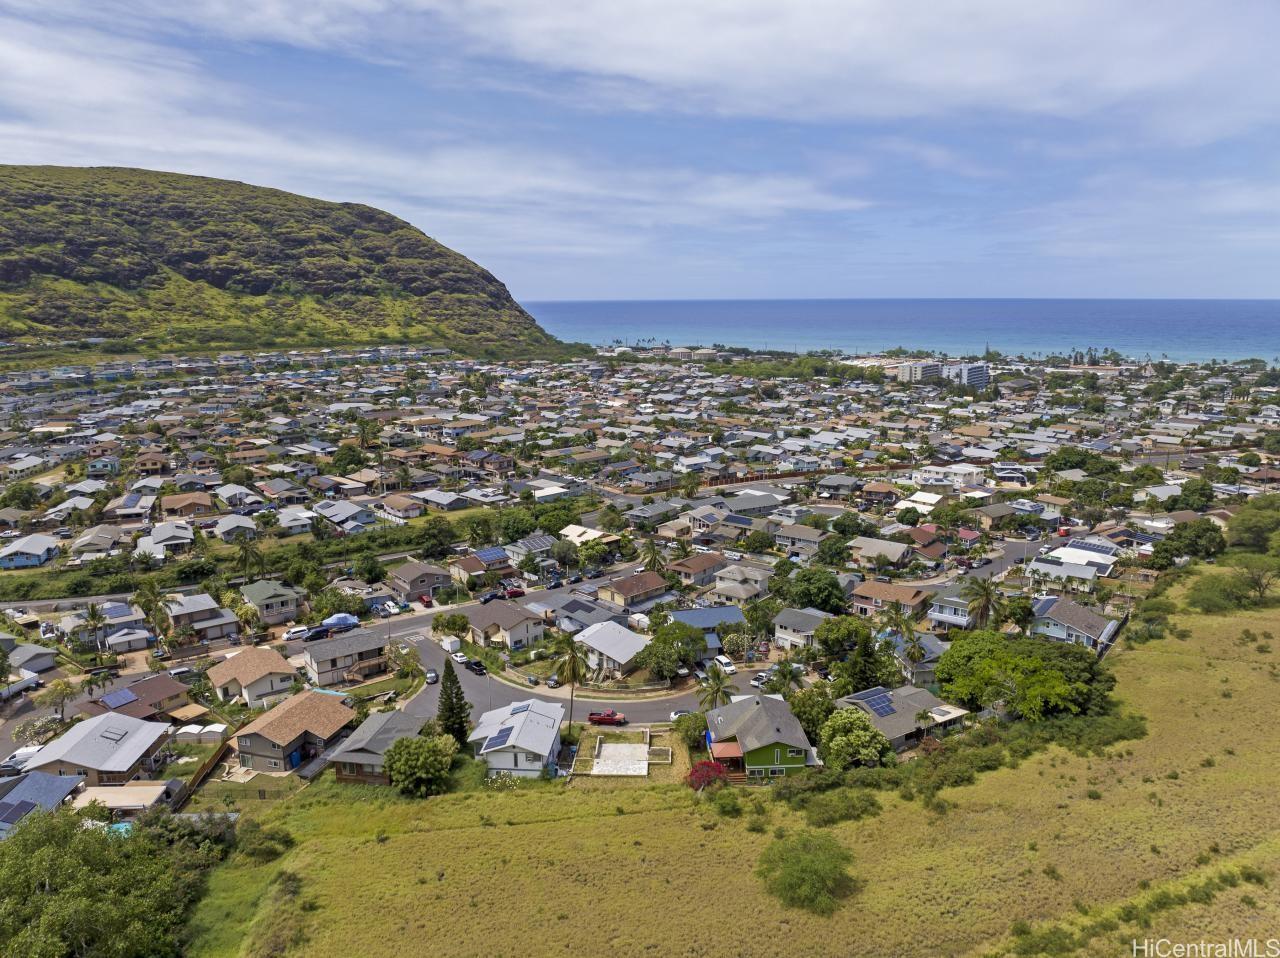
[933, 646]
[733, 519]
[1042, 606]
[32, 791]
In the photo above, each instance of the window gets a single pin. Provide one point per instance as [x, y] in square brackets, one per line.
[272, 763]
[794, 752]
[777, 756]
[775, 772]
[755, 772]
[275, 747]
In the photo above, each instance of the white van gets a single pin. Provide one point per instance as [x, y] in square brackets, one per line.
[726, 665]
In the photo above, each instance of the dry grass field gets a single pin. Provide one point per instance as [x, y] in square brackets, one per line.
[1022, 862]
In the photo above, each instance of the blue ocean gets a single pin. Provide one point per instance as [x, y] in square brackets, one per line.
[1176, 329]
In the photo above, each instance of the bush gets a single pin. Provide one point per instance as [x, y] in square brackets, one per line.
[262, 844]
[807, 870]
[706, 774]
[842, 805]
[726, 803]
[692, 729]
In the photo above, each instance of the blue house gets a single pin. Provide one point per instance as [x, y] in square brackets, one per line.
[710, 621]
[28, 552]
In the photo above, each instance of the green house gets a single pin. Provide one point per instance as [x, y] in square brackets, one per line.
[757, 737]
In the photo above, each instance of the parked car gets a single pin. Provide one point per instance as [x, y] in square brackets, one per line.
[317, 633]
[575, 579]
[700, 674]
[489, 597]
[476, 666]
[678, 712]
[606, 717]
[682, 671]
[459, 657]
[726, 665]
[531, 679]
[758, 681]
[514, 593]
[553, 682]
[432, 676]
[295, 632]
[979, 562]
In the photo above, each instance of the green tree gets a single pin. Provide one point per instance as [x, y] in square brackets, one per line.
[985, 601]
[453, 712]
[812, 706]
[250, 558]
[565, 553]
[651, 554]
[717, 689]
[757, 541]
[817, 588]
[57, 695]
[569, 661]
[692, 728]
[367, 432]
[808, 870]
[848, 738]
[420, 766]
[94, 621]
[451, 623]
[1257, 574]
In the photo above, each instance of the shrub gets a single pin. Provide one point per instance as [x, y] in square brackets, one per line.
[262, 844]
[726, 803]
[691, 729]
[706, 774]
[842, 805]
[807, 870]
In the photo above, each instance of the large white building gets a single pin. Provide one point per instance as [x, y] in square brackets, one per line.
[522, 738]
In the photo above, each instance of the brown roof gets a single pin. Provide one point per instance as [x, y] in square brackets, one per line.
[637, 584]
[699, 563]
[247, 666]
[889, 592]
[311, 711]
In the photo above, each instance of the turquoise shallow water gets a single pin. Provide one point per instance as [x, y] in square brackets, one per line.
[1179, 329]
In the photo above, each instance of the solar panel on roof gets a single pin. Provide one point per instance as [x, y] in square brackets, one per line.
[10, 814]
[114, 734]
[520, 708]
[497, 740]
[113, 700]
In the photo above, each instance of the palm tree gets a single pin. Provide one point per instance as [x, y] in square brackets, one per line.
[913, 649]
[896, 618]
[150, 600]
[924, 721]
[368, 431]
[249, 557]
[985, 601]
[717, 690]
[94, 620]
[570, 662]
[654, 560]
[57, 695]
[683, 549]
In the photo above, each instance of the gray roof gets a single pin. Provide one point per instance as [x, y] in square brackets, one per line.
[30, 792]
[369, 742]
[755, 721]
[1078, 617]
[534, 726]
[613, 640]
[801, 620]
[25, 652]
[264, 590]
[349, 643]
[110, 742]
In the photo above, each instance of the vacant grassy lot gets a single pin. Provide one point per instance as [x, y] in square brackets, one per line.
[1057, 843]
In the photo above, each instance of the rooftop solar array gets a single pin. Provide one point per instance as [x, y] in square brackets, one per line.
[118, 698]
[12, 812]
[523, 707]
[497, 740]
[878, 699]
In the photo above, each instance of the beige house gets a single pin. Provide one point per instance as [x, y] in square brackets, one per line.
[255, 676]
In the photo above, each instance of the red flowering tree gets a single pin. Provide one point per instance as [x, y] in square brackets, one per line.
[705, 774]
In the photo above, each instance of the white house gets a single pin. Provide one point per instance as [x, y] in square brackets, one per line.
[611, 647]
[522, 738]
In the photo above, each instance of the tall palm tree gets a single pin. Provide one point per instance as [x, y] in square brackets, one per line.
[94, 620]
[683, 549]
[654, 560]
[250, 557]
[367, 431]
[150, 600]
[986, 603]
[717, 690]
[570, 662]
[896, 618]
[913, 648]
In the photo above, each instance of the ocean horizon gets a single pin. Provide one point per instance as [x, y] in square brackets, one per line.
[1186, 330]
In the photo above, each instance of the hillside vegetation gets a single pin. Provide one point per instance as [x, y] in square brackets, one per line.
[1173, 834]
[152, 260]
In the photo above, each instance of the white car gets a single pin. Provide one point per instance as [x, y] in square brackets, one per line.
[758, 681]
[460, 658]
[296, 632]
[726, 665]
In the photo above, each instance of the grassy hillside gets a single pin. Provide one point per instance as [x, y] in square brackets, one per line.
[161, 261]
[1062, 854]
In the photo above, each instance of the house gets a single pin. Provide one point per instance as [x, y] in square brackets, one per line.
[757, 736]
[165, 537]
[874, 553]
[360, 758]
[799, 539]
[156, 698]
[296, 730]
[699, 569]
[573, 613]
[504, 623]
[634, 591]
[107, 749]
[350, 657]
[873, 596]
[611, 648]
[521, 739]
[924, 672]
[739, 584]
[255, 676]
[709, 620]
[414, 580]
[402, 507]
[795, 628]
[99, 542]
[186, 505]
[904, 715]
[950, 610]
[538, 546]
[274, 601]
[27, 657]
[151, 463]
[32, 792]
[28, 552]
[1063, 620]
[347, 516]
[203, 616]
[235, 528]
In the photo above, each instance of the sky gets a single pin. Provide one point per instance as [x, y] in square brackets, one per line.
[666, 149]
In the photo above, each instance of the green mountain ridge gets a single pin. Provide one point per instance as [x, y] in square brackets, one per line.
[159, 261]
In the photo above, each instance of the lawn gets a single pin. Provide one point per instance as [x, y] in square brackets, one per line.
[1057, 842]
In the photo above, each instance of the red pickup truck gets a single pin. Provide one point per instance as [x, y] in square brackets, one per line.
[607, 717]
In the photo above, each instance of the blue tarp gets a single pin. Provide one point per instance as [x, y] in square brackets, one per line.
[341, 618]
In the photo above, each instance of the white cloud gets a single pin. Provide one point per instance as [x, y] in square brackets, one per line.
[1188, 69]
